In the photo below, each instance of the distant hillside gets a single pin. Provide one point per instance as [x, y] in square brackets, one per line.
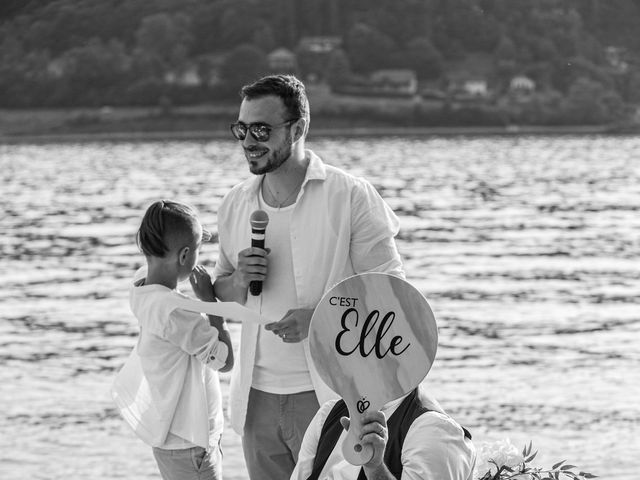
[136, 52]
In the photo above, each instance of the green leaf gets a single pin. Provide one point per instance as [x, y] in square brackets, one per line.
[527, 449]
[588, 475]
[557, 465]
[567, 467]
[527, 460]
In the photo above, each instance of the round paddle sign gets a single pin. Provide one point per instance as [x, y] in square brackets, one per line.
[373, 338]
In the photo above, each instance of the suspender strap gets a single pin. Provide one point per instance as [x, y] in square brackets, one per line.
[331, 431]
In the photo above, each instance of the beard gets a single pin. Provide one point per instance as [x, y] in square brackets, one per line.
[274, 159]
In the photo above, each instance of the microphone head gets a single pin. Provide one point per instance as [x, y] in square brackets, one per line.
[259, 220]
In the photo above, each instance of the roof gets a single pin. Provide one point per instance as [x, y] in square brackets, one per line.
[320, 44]
[281, 53]
[398, 75]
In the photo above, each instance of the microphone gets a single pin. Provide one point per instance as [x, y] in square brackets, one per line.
[258, 220]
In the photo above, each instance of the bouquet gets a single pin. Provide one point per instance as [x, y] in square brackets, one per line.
[501, 460]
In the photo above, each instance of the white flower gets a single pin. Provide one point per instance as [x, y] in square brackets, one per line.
[502, 452]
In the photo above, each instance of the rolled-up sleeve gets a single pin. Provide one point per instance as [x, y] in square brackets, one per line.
[374, 226]
[195, 336]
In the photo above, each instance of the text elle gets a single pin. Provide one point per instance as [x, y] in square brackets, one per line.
[350, 339]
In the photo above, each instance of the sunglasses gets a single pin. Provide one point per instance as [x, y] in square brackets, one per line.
[259, 131]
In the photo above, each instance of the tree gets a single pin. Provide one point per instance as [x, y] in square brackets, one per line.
[368, 48]
[165, 38]
[589, 102]
[338, 70]
[506, 50]
[424, 58]
[245, 26]
[567, 72]
[93, 72]
[241, 65]
[465, 21]
[24, 78]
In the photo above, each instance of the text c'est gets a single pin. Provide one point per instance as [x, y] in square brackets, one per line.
[343, 301]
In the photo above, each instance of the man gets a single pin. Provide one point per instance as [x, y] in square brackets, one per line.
[325, 225]
[419, 441]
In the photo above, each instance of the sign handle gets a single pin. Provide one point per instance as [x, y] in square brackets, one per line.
[355, 452]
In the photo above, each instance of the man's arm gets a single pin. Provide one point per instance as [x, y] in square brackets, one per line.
[374, 227]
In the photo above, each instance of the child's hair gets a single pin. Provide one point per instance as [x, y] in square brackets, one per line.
[164, 218]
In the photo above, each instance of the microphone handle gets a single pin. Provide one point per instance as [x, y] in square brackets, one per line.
[257, 240]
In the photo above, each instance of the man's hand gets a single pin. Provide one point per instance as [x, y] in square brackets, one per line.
[374, 432]
[201, 284]
[252, 266]
[294, 326]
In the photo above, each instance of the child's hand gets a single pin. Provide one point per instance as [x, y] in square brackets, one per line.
[201, 283]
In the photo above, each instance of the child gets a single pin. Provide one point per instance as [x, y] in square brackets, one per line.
[168, 390]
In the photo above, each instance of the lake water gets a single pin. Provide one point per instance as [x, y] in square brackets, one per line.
[527, 248]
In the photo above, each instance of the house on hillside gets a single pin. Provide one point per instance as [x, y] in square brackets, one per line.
[188, 77]
[209, 67]
[521, 84]
[399, 81]
[282, 60]
[469, 90]
[476, 88]
[322, 45]
[56, 68]
[313, 55]
[616, 58]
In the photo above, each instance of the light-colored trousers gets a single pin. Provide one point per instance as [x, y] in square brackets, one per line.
[273, 432]
[194, 463]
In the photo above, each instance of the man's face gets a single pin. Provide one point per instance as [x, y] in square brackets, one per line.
[267, 156]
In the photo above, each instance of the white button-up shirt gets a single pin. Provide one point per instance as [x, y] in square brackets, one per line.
[340, 227]
[163, 387]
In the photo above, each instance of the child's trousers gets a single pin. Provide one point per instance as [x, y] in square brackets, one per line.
[194, 463]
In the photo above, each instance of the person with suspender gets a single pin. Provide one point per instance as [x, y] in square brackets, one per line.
[413, 438]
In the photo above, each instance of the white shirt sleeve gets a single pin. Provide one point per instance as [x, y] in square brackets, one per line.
[374, 226]
[193, 334]
[225, 264]
[435, 448]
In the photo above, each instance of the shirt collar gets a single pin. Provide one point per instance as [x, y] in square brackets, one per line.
[316, 169]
